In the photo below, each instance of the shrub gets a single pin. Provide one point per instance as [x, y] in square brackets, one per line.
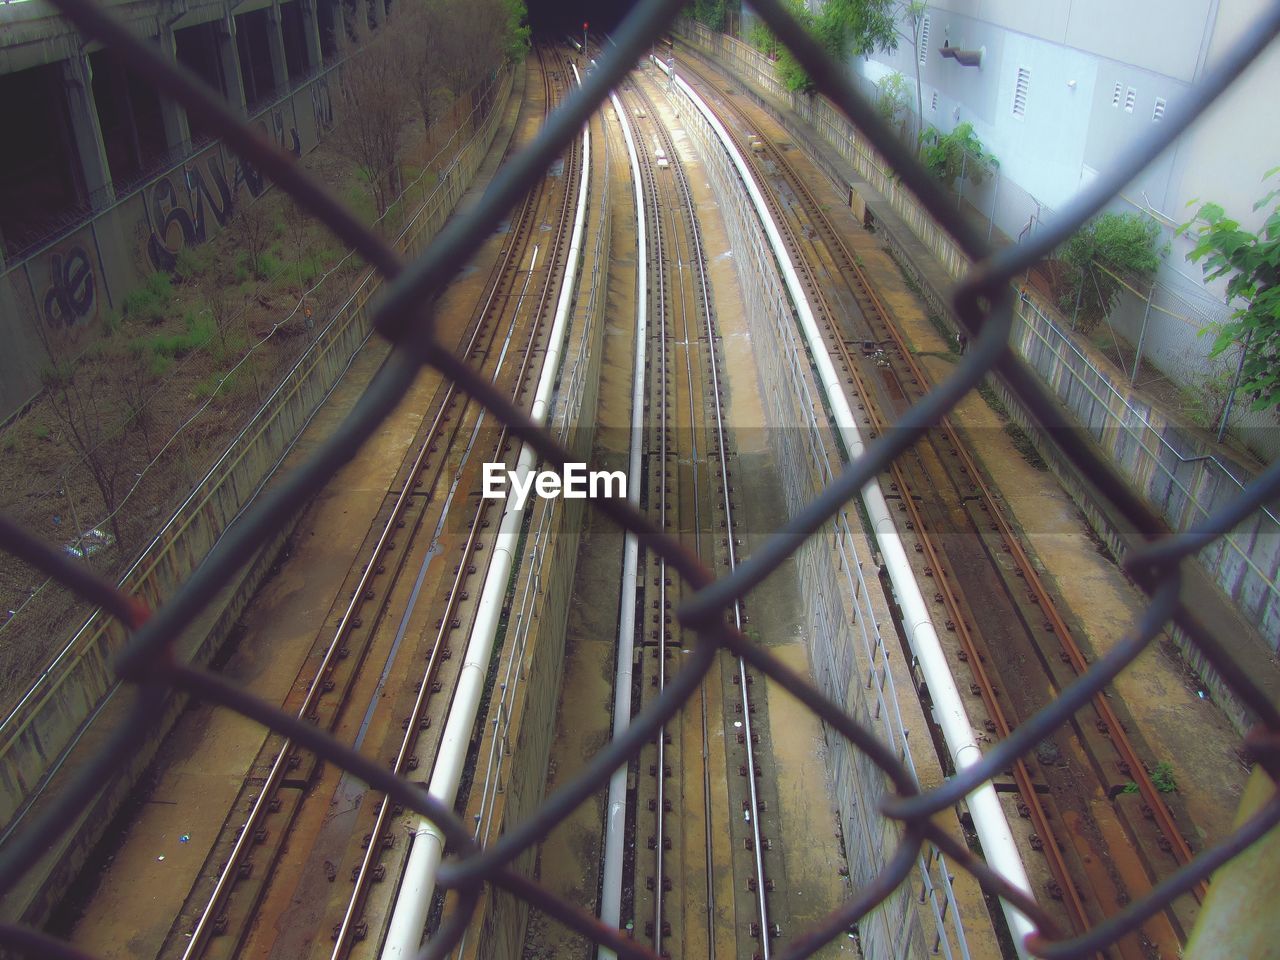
[150, 302]
[193, 262]
[949, 155]
[1126, 245]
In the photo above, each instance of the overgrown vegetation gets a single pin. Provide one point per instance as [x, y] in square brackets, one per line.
[892, 95]
[434, 53]
[1252, 262]
[1108, 246]
[842, 28]
[1162, 777]
[1021, 441]
[951, 156]
[845, 28]
[710, 12]
[133, 406]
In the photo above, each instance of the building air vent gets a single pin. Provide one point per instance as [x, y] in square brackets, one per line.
[1020, 92]
[1158, 113]
[933, 104]
[1130, 98]
[924, 40]
[1115, 95]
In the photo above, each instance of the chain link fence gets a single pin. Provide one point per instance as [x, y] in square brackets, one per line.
[404, 315]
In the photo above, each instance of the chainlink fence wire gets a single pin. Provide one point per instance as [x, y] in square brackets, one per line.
[405, 316]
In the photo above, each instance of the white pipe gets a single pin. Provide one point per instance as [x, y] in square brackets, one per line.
[616, 810]
[988, 818]
[413, 901]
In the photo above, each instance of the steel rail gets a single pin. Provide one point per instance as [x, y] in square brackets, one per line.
[229, 874]
[659, 303]
[1115, 729]
[699, 259]
[412, 732]
[1039, 815]
[864, 293]
[698, 263]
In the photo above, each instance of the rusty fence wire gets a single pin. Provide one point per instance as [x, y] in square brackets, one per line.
[405, 316]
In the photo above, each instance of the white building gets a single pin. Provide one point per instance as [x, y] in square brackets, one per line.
[1063, 85]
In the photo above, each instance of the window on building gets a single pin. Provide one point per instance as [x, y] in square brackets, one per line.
[1130, 98]
[933, 104]
[1115, 95]
[1020, 92]
[924, 40]
[1158, 113]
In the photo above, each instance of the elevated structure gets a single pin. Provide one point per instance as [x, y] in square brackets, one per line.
[88, 141]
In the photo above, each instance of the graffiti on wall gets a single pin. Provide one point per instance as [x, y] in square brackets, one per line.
[66, 285]
[69, 297]
[181, 205]
[189, 206]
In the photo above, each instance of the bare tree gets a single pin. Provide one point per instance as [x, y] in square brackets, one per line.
[137, 377]
[375, 103]
[473, 42]
[420, 27]
[297, 227]
[74, 392]
[254, 226]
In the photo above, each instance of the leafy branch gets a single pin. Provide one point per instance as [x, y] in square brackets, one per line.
[1253, 262]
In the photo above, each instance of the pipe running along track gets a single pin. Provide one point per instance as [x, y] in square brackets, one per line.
[417, 888]
[989, 820]
[616, 809]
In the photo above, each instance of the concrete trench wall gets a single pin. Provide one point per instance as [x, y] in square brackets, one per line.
[1178, 473]
[61, 709]
[521, 721]
[843, 607]
[86, 273]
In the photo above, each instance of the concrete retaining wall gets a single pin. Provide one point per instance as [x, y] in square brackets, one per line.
[843, 606]
[58, 715]
[85, 274]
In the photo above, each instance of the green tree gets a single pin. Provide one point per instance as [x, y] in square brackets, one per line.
[958, 153]
[1126, 245]
[842, 28]
[1253, 261]
[891, 96]
[710, 12]
[762, 38]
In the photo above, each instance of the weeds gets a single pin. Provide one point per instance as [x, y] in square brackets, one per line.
[193, 262]
[1162, 777]
[199, 331]
[150, 302]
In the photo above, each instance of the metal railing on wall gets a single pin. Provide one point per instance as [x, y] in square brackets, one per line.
[983, 302]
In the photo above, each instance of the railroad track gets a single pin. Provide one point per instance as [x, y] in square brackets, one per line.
[503, 338]
[688, 483]
[994, 600]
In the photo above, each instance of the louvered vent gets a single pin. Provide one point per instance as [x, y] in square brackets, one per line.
[1020, 92]
[1115, 95]
[933, 105]
[1130, 98]
[1158, 113]
[924, 41]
